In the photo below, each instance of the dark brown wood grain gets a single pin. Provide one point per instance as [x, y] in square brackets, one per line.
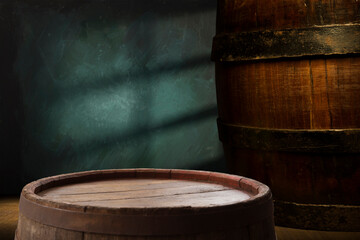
[302, 177]
[290, 94]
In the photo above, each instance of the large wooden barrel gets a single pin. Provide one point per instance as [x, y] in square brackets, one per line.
[288, 94]
[145, 204]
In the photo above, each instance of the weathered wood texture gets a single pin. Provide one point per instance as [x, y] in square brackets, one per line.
[34, 230]
[311, 93]
[146, 204]
[9, 211]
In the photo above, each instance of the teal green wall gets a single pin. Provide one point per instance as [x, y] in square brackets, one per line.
[116, 84]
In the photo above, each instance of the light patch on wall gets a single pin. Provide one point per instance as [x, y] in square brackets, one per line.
[118, 91]
[96, 115]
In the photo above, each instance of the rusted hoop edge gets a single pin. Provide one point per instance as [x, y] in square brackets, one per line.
[152, 224]
[317, 217]
[290, 140]
[314, 41]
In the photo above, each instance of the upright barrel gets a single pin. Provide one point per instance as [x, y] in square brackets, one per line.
[288, 94]
[145, 204]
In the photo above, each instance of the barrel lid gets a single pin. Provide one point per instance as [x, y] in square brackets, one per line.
[145, 201]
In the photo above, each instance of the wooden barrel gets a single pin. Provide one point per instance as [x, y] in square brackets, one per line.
[145, 204]
[288, 94]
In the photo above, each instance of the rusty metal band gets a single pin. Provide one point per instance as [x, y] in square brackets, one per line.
[290, 140]
[144, 225]
[317, 217]
[262, 45]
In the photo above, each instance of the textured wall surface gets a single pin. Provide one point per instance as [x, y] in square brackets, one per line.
[114, 84]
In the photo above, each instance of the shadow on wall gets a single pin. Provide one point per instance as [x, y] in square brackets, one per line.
[116, 84]
[11, 108]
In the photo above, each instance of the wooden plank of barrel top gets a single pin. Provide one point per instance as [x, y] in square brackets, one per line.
[287, 82]
[145, 204]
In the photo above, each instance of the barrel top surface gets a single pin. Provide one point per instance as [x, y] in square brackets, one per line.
[146, 201]
[144, 189]
[145, 193]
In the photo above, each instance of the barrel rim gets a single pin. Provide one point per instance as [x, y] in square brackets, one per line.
[153, 221]
[257, 190]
